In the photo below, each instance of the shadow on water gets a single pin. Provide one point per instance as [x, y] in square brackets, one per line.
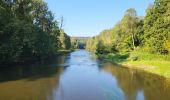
[34, 71]
[32, 82]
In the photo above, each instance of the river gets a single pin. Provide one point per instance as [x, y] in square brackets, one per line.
[80, 76]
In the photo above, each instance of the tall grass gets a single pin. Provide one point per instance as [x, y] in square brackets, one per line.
[148, 56]
[154, 63]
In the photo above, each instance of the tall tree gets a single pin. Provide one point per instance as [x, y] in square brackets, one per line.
[156, 26]
[129, 23]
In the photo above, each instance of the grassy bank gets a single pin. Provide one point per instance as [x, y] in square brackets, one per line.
[157, 64]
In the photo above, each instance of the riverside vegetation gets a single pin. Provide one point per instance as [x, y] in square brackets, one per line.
[28, 32]
[141, 42]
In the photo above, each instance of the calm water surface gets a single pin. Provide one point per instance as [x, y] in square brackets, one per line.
[80, 76]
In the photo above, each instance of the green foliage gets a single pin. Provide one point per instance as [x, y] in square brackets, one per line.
[28, 31]
[79, 42]
[92, 44]
[65, 42]
[167, 45]
[100, 48]
[115, 57]
[156, 26]
[150, 33]
[142, 55]
[74, 44]
[124, 37]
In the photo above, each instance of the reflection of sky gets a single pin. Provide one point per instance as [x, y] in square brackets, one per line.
[84, 79]
[140, 95]
[80, 79]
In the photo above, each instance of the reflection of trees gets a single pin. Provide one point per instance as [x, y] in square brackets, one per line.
[32, 72]
[156, 88]
[126, 79]
[132, 81]
[34, 82]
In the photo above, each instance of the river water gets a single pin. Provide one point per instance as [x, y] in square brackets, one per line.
[80, 76]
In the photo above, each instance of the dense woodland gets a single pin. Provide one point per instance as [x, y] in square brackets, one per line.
[137, 33]
[28, 31]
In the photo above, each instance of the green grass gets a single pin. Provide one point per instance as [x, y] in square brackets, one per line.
[154, 63]
[148, 56]
[154, 66]
[117, 58]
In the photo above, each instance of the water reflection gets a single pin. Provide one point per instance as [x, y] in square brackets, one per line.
[139, 85]
[32, 82]
[80, 80]
[80, 76]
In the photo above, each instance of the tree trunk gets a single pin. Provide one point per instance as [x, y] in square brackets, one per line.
[133, 40]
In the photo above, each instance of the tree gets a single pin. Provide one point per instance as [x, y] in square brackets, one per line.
[100, 47]
[129, 23]
[123, 37]
[74, 44]
[156, 26]
[65, 42]
[61, 22]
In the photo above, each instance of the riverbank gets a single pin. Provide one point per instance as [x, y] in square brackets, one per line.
[61, 52]
[34, 59]
[157, 64]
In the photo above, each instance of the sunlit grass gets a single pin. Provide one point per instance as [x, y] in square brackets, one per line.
[117, 58]
[155, 66]
[148, 56]
[154, 63]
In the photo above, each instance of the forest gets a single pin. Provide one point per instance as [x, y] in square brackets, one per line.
[28, 31]
[137, 33]
[148, 33]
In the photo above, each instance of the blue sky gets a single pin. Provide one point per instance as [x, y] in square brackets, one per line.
[90, 17]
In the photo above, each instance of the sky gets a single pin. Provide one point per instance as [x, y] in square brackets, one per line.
[89, 17]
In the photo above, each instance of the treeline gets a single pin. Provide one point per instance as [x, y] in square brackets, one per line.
[136, 33]
[28, 31]
[79, 42]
